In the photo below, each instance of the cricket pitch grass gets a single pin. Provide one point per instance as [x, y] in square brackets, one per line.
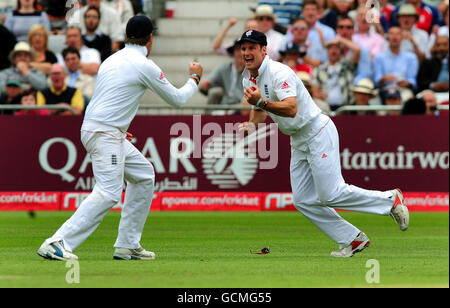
[212, 250]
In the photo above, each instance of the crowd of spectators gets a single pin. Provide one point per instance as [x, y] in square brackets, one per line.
[358, 52]
[347, 52]
[31, 73]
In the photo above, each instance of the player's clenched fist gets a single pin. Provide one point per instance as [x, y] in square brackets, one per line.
[195, 68]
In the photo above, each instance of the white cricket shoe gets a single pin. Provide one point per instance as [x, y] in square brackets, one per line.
[399, 210]
[133, 254]
[55, 251]
[358, 245]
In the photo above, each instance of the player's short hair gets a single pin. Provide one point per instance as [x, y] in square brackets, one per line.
[140, 41]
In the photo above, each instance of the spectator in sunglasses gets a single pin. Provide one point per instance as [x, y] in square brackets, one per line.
[266, 22]
[345, 29]
[312, 53]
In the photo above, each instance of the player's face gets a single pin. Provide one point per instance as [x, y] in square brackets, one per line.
[253, 55]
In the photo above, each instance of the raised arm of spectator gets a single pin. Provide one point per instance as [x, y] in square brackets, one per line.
[217, 43]
[356, 50]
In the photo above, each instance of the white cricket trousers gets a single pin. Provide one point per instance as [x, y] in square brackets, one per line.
[318, 186]
[113, 159]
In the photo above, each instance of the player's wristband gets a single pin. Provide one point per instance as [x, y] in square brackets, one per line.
[196, 76]
[197, 81]
[259, 102]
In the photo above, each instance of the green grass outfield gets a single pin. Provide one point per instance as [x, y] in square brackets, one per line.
[211, 249]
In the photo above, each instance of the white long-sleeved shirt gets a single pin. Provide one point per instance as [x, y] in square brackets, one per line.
[122, 80]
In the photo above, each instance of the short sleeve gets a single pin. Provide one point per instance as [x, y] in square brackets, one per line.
[285, 84]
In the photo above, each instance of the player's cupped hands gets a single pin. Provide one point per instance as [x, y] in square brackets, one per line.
[252, 94]
[129, 136]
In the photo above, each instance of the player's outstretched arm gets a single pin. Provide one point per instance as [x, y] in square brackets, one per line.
[158, 83]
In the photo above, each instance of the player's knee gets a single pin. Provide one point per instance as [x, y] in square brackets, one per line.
[326, 198]
[109, 197]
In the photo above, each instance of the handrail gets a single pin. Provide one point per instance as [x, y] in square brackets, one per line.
[350, 108]
[198, 107]
[24, 107]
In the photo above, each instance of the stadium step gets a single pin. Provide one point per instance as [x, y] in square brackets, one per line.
[171, 64]
[175, 27]
[213, 9]
[189, 35]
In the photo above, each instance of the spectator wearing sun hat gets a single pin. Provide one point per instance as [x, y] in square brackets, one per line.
[414, 39]
[429, 15]
[266, 22]
[364, 91]
[292, 55]
[29, 77]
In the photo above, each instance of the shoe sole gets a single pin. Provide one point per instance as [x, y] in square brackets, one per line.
[405, 209]
[50, 256]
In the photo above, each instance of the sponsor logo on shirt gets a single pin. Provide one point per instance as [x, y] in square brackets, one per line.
[285, 86]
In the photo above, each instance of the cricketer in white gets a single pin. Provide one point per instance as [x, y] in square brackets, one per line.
[316, 179]
[122, 80]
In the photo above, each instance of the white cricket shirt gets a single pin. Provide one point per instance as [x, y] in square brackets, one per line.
[122, 80]
[276, 82]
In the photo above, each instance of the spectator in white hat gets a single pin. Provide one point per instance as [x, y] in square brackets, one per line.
[266, 22]
[414, 39]
[364, 91]
[29, 77]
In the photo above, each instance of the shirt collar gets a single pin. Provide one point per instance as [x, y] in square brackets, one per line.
[142, 49]
[261, 69]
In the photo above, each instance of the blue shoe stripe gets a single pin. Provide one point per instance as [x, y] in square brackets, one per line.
[58, 251]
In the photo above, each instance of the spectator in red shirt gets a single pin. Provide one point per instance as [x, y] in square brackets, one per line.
[29, 99]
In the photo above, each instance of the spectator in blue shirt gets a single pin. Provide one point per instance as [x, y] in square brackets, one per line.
[318, 33]
[395, 67]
